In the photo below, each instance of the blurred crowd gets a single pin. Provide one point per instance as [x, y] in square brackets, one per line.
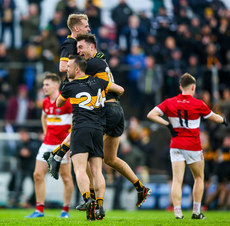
[147, 53]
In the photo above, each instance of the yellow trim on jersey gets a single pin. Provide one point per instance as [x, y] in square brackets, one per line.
[64, 58]
[62, 97]
[69, 36]
[94, 54]
[102, 75]
[84, 77]
[54, 119]
[108, 86]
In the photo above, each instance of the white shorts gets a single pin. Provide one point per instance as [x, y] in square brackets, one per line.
[185, 155]
[44, 148]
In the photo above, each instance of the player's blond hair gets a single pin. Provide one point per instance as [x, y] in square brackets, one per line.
[186, 80]
[75, 20]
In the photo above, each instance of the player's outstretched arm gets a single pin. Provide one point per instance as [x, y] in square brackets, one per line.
[119, 90]
[218, 119]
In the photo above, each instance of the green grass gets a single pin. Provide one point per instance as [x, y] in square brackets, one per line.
[139, 217]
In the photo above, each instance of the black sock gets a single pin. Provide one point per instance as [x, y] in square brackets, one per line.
[63, 150]
[92, 194]
[138, 185]
[55, 151]
[86, 196]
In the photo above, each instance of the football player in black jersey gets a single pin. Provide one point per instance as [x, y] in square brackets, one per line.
[86, 45]
[87, 96]
[77, 24]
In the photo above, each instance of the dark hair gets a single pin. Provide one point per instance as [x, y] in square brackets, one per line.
[52, 76]
[89, 38]
[186, 80]
[79, 61]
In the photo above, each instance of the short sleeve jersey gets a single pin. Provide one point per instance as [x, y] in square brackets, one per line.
[58, 121]
[99, 68]
[87, 96]
[68, 47]
[184, 112]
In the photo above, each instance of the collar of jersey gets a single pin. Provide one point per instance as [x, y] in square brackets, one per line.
[69, 36]
[84, 77]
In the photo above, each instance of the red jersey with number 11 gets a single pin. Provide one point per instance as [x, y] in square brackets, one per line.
[184, 112]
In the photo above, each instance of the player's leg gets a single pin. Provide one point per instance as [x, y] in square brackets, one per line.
[110, 157]
[178, 169]
[99, 185]
[61, 150]
[197, 169]
[41, 169]
[65, 172]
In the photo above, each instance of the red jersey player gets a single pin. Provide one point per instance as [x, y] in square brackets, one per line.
[184, 113]
[56, 123]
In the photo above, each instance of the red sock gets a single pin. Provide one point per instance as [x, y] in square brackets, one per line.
[40, 206]
[66, 209]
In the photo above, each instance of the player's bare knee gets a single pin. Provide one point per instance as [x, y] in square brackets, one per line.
[110, 161]
[38, 176]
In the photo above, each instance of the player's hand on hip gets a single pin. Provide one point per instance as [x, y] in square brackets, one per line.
[172, 131]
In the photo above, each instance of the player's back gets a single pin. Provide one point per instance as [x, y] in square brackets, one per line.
[87, 96]
[99, 68]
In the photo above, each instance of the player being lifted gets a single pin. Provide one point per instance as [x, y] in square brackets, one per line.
[86, 45]
[184, 113]
[87, 96]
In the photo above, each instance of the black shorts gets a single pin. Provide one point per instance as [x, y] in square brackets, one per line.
[223, 172]
[87, 140]
[114, 119]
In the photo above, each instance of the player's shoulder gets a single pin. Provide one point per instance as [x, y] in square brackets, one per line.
[69, 41]
[46, 100]
[97, 62]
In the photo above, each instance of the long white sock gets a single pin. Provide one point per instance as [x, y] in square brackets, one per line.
[196, 207]
[178, 211]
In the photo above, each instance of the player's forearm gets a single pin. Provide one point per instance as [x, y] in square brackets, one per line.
[216, 118]
[44, 124]
[155, 116]
[63, 66]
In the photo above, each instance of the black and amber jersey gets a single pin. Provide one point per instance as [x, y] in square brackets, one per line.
[99, 68]
[87, 96]
[68, 47]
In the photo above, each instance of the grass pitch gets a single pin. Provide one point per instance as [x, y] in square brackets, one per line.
[113, 217]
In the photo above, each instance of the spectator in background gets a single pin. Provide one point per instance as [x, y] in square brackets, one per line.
[26, 152]
[152, 48]
[7, 8]
[49, 45]
[58, 26]
[195, 69]
[120, 16]
[94, 15]
[30, 24]
[167, 48]
[19, 107]
[105, 43]
[212, 59]
[67, 7]
[4, 58]
[174, 68]
[223, 175]
[136, 63]
[29, 73]
[149, 85]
